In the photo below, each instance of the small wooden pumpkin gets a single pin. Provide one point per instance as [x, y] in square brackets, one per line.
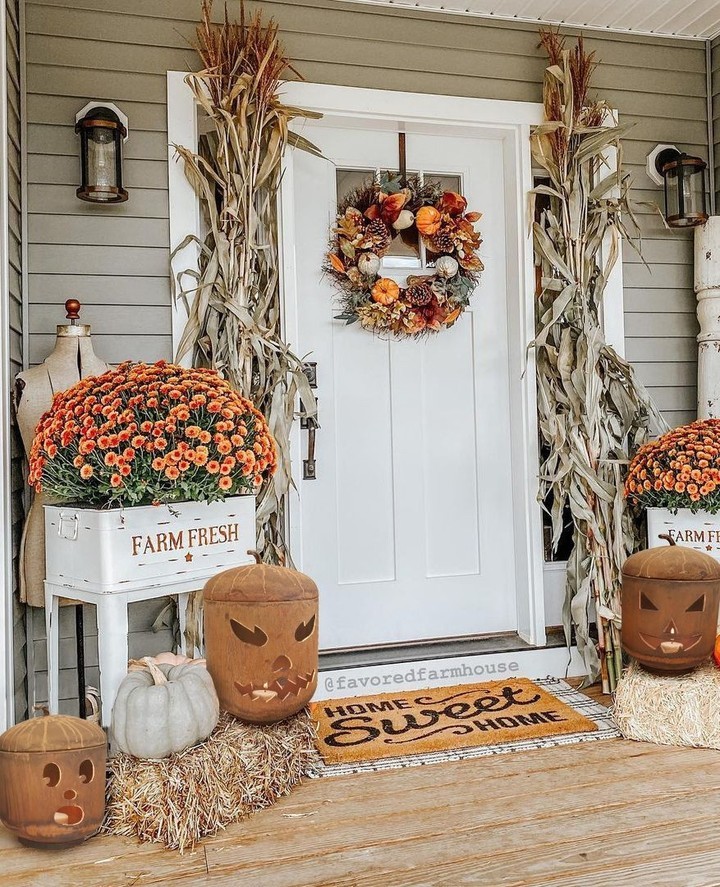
[52, 779]
[670, 599]
[261, 640]
[163, 709]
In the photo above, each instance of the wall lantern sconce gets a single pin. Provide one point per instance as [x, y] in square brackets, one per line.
[103, 128]
[683, 178]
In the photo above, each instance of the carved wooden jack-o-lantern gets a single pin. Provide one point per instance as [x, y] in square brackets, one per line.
[261, 640]
[670, 600]
[52, 779]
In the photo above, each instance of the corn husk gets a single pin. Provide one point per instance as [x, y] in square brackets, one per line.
[233, 296]
[593, 412]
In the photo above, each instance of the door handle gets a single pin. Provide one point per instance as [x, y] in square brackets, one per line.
[309, 464]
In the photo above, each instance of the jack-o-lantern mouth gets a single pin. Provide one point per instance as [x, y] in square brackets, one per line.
[279, 688]
[70, 815]
[670, 645]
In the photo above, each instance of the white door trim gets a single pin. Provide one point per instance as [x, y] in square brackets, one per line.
[7, 690]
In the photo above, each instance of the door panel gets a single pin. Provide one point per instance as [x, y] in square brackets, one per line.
[408, 528]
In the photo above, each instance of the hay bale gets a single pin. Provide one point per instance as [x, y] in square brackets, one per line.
[670, 710]
[239, 769]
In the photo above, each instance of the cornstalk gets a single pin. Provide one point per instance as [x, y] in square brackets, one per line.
[593, 413]
[233, 297]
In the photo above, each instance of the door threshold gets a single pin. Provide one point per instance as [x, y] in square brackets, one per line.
[505, 642]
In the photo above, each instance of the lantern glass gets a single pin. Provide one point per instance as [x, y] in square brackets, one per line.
[101, 138]
[685, 191]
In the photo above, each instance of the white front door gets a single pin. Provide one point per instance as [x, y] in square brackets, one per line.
[408, 527]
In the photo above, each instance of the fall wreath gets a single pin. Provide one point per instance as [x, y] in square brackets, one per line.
[368, 220]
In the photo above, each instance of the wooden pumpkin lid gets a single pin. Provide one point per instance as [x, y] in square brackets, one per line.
[260, 582]
[674, 562]
[52, 733]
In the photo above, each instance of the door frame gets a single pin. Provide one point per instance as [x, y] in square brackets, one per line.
[386, 107]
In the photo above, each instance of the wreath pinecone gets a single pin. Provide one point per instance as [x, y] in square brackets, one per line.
[419, 294]
[377, 236]
[442, 242]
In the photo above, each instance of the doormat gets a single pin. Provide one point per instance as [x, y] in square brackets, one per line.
[394, 730]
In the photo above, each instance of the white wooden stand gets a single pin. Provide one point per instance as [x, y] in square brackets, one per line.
[707, 289]
[116, 557]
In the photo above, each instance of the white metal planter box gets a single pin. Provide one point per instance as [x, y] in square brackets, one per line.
[123, 549]
[700, 530]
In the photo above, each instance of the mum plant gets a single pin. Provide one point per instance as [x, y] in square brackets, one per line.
[681, 469]
[144, 434]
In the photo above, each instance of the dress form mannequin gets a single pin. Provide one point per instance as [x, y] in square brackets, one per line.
[72, 359]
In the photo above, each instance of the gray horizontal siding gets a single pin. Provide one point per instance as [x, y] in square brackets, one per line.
[121, 50]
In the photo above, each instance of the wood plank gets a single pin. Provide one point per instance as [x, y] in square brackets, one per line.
[662, 301]
[652, 325]
[69, 258]
[53, 289]
[667, 374]
[646, 350]
[142, 203]
[99, 229]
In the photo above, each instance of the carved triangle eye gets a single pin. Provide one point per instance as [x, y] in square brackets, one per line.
[698, 606]
[256, 636]
[646, 603]
[305, 629]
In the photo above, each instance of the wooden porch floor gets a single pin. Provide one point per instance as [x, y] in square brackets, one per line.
[613, 812]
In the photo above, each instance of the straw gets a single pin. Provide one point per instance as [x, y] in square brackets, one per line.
[670, 710]
[239, 769]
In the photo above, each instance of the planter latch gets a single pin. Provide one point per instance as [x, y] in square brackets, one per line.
[68, 525]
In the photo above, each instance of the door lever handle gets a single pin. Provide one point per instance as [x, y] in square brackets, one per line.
[309, 464]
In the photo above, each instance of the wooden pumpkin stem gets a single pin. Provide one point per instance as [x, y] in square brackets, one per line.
[43, 708]
[157, 675]
[256, 555]
[667, 537]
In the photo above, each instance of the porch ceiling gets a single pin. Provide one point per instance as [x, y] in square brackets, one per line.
[697, 19]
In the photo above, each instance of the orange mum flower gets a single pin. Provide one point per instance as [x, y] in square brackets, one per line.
[132, 412]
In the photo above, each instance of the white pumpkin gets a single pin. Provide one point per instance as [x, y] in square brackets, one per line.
[368, 264]
[163, 709]
[404, 220]
[446, 266]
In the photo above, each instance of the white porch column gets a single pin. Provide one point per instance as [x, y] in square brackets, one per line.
[707, 289]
